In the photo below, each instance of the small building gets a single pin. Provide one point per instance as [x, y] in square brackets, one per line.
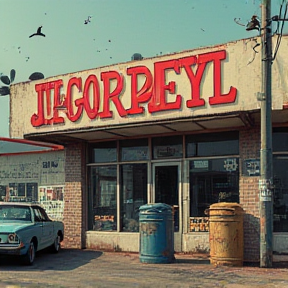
[181, 129]
[33, 171]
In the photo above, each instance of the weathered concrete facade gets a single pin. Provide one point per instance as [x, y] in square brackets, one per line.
[34, 177]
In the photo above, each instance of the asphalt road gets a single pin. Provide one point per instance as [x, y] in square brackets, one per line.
[86, 268]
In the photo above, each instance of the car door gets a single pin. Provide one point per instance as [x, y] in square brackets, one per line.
[48, 231]
[38, 228]
[45, 226]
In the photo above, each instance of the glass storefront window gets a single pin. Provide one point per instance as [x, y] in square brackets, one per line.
[280, 179]
[104, 194]
[32, 191]
[105, 152]
[166, 189]
[21, 189]
[280, 182]
[212, 181]
[134, 150]
[20, 192]
[212, 144]
[133, 195]
[280, 141]
[167, 147]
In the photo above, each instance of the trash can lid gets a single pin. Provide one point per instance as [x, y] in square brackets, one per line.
[224, 208]
[226, 205]
[155, 207]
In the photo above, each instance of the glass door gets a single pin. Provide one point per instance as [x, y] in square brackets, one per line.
[167, 189]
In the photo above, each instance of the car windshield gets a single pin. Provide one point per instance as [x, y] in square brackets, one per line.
[11, 213]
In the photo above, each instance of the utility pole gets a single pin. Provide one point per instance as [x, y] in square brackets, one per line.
[266, 157]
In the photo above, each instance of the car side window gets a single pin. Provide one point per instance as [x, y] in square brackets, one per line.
[44, 214]
[37, 215]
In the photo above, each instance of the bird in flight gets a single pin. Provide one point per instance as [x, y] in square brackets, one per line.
[87, 20]
[39, 33]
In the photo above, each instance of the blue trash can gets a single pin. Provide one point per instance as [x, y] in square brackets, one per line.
[156, 233]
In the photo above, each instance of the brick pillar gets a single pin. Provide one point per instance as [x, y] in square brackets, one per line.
[249, 195]
[74, 197]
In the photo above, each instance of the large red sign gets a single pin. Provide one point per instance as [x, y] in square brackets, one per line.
[152, 93]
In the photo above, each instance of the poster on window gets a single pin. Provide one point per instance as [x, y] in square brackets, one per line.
[251, 167]
[199, 224]
[200, 165]
[52, 199]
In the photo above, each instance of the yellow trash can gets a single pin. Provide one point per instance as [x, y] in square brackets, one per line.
[226, 234]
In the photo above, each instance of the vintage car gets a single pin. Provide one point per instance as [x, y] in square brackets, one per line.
[26, 228]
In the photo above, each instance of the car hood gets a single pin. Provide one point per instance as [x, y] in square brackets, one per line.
[12, 227]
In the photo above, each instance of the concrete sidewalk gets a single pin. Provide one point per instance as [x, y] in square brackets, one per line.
[88, 268]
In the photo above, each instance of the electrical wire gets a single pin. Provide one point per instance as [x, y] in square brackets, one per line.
[279, 38]
[277, 30]
[280, 13]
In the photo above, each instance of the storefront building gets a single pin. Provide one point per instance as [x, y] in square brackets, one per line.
[181, 129]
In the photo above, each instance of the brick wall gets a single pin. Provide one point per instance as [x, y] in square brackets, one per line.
[74, 207]
[249, 195]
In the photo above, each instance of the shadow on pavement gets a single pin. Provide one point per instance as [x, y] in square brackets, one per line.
[275, 265]
[65, 260]
[194, 258]
[280, 261]
[193, 261]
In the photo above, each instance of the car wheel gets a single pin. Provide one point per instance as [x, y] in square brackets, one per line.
[55, 247]
[30, 255]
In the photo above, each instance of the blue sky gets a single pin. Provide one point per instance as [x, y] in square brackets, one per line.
[117, 28]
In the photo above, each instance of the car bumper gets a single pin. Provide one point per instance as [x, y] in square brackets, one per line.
[20, 249]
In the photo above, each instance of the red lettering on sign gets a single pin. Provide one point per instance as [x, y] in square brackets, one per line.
[146, 90]
[219, 98]
[91, 111]
[106, 77]
[158, 100]
[56, 118]
[195, 80]
[144, 94]
[40, 118]
[78, 103]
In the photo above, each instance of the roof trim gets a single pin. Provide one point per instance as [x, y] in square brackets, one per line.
[50, 146]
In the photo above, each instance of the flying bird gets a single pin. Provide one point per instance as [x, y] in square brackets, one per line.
[38, 33]
[87, 20]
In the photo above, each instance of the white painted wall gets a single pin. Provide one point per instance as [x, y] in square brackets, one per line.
[44, 168]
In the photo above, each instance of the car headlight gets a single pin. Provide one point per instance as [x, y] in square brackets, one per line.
[13, 238]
